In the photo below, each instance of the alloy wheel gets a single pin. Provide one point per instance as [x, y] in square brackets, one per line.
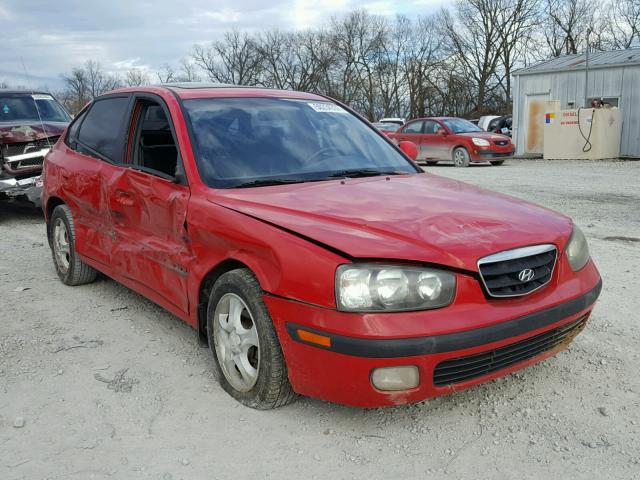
[236, 342]
[61, 246]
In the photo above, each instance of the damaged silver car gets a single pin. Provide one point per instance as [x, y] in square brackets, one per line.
[30, 124]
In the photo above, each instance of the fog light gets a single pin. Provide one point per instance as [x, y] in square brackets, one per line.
[395, 378]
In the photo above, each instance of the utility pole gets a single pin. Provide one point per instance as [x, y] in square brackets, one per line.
[586, 72]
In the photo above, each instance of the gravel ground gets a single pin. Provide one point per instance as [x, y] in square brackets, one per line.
[97, 382]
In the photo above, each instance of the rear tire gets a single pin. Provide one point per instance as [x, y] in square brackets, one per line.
[62, 238]
[461, 157]
[497, 163]
[248, 359]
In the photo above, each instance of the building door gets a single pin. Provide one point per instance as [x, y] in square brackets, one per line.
[536, 106]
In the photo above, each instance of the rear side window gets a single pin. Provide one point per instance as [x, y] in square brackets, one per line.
[75, 127]
[415, 127]
[104, 126]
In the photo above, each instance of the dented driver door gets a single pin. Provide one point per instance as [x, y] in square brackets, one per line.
[148, 206]
[149, 213]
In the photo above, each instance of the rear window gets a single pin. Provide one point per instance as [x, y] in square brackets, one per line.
[103, 128]
[244, 139]
[31, 108]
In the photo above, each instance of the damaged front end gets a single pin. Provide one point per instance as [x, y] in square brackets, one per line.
[30, 124]
[20, 170]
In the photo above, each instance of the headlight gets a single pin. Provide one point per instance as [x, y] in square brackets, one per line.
[480, 142]
[373, 288]
[577, 249]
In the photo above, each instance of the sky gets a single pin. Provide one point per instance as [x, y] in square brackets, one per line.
[52, 36]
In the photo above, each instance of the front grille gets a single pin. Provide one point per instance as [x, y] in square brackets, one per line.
[517, 272]
[501, 142]
[466, 368]
[11, 149]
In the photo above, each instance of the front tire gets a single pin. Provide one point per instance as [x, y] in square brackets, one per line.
[248, 359]
[71, 270]
[431, 163]
[461, 157]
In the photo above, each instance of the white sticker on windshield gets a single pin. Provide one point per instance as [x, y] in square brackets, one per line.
[41, 97]
[327, 107]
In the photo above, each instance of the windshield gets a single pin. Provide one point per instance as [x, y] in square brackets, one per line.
[22, 108]
[253, 141]
[458, 125]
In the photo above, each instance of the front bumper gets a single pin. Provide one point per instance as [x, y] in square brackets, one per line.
[342, 373]
[488, 154]
[25, 190]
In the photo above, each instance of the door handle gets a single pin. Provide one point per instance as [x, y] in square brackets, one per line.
[124, 198]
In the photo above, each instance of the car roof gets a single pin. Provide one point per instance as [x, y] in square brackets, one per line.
[434, 118]
[15, 91]
[187, 91]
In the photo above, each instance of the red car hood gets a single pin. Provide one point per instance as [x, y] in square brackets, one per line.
[419, 217]
[485, 135]
[29, 131]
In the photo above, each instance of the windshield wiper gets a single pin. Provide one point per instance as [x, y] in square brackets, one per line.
[363, 172]
[265, 182]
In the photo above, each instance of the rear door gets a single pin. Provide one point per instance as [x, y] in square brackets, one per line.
[432, 143]
[94, 151]
[148, 206]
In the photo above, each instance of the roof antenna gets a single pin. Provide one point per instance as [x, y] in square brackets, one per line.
[44, 129]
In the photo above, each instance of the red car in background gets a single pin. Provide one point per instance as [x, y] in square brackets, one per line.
[455, 140]
[312, 254]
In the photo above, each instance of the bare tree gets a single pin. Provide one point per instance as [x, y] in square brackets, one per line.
[475, 41]
[85, 83]
[358, 40]
[517, 19]
[567, 24]
[234, 60]
[136, 78]
[623, 23]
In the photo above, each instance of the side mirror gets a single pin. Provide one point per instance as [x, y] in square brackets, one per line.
[442, 132]
[410, 149]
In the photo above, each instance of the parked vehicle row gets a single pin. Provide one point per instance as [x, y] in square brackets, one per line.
[310, 252]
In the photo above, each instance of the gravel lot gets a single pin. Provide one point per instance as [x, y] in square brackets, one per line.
[97, 382]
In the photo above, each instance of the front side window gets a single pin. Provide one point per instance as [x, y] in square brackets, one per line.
[103, 127]
[458, 125]
[253, 141]
[432, 127]
[154, 148]
[31, 108]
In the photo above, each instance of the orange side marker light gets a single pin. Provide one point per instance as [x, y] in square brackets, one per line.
[314, 338]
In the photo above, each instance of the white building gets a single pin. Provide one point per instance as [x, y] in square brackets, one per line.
[613, 76]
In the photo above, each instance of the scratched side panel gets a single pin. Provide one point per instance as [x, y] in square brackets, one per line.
[79, 181]
[152, 246]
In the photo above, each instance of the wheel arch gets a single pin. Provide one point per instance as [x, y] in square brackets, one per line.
[204, 290]
[52, 203]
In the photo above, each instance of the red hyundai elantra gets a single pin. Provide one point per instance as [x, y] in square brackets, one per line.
[308, 250]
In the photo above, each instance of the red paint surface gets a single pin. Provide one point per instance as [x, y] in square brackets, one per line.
[162, 239]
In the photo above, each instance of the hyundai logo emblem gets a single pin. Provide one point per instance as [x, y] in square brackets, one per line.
[526, 275]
